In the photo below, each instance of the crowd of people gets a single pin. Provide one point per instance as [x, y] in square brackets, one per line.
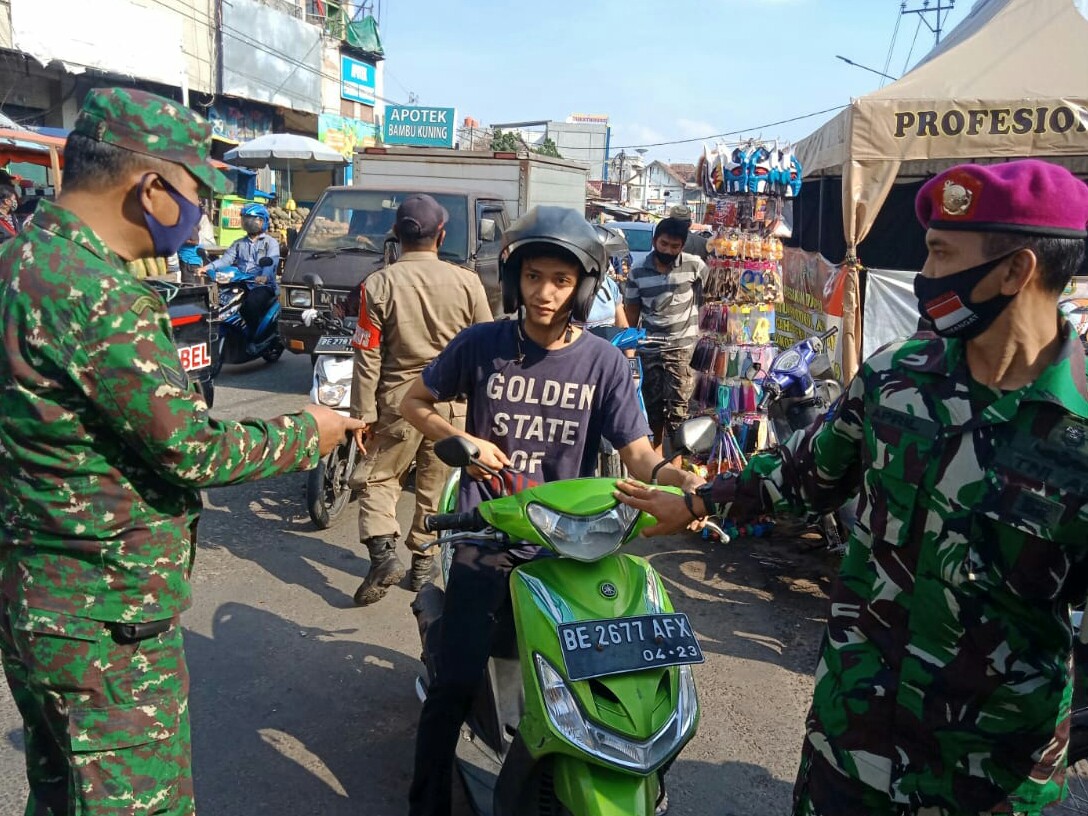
[945, 674]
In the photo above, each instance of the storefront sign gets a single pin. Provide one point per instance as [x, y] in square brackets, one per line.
[991, 121]
[423, 127]
[345, 135]
[812, 287]
[239, 123]
[358, 80]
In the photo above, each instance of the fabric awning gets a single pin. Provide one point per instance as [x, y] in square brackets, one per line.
[1008, 82]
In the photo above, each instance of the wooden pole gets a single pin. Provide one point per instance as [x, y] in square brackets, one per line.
[54, 162]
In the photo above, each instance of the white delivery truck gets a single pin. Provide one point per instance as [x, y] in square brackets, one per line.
[521, 180]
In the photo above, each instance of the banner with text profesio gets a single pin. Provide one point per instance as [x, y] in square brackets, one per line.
[813, 302]
[422, 127]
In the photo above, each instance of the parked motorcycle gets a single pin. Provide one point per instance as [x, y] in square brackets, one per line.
[240, 342]
[609, 463]
[327, 491]
[796, 392]
[591, 695]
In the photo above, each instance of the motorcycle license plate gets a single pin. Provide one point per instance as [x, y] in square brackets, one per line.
[194, 358]
[332, 344]
[619, 645]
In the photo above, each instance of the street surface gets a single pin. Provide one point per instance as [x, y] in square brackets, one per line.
[303, 704]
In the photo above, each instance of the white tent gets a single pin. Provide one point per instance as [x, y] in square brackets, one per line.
[1010, 81]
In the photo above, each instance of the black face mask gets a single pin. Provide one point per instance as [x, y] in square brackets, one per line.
[666, 258]
[946, 302]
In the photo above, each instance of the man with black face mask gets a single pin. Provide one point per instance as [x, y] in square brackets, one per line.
[945, 675]
[665, 292]
[104, 448]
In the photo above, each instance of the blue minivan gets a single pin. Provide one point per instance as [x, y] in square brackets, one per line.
[640, 238]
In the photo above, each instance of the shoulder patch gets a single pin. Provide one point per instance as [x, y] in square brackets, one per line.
[175, 376]
[143, 303]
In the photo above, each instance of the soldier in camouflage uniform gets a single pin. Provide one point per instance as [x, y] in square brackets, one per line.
[944, 681]
[103, 447]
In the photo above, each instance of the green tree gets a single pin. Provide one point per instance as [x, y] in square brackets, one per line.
[548, 148]
[505, 142]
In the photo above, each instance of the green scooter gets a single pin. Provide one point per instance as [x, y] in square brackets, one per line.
[591, 696]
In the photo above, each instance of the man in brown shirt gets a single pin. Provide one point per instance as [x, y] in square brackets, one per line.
[409, 312]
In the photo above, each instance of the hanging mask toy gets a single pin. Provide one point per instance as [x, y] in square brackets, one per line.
[737, 171]
[759, 169]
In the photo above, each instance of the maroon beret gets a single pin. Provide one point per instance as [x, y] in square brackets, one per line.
[1028, 196]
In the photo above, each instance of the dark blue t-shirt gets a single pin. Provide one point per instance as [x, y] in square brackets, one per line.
[548, 411]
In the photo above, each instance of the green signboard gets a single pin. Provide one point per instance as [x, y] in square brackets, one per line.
[422, 127]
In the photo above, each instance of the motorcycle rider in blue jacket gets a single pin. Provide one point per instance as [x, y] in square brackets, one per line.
[245, 255]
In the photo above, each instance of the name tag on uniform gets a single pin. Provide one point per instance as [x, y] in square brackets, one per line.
[902, 421]
[1037, 509]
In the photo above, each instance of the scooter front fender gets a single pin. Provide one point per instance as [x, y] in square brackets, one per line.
[586, 789]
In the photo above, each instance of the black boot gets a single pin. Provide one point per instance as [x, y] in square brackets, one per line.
[423, 571]
[385, 570]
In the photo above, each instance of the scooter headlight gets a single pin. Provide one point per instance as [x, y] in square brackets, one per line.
[332, 387]
[584, 538]
[566, 717]
[787, 361]
[331, 394]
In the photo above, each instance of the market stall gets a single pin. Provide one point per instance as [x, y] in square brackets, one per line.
[1007, 83]
[749, 185]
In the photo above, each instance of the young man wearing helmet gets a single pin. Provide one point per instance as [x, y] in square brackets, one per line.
[246, 254]
[541, 393]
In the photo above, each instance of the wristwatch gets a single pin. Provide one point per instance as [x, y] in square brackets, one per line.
[703, 492]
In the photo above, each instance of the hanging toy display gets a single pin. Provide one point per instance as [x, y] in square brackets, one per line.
[749, 184]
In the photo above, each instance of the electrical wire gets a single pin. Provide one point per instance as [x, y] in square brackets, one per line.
[732, 132]
[247, 40]
[910, 53]
[891, 46]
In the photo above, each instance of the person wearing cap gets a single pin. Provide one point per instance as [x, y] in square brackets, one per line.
[409, 312]
[104, 447]
[695, 244]
[944, 682]
[665, 292]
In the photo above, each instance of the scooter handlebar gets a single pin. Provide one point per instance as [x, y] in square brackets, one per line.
[454, 522]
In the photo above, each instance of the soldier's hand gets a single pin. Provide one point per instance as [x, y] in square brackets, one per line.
[332, 428]
[669, 509]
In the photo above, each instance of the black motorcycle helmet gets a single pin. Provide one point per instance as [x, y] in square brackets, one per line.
[559, 227]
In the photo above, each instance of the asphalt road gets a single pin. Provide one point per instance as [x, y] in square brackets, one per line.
[303, 704]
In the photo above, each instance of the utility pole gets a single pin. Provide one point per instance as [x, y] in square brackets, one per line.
[934, 7]
[645, 174]
[623, 186]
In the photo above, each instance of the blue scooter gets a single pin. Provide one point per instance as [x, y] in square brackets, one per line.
[796, 392]
[609, 464]
[240, 342]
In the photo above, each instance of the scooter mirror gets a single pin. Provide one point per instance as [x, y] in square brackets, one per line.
[696, 435]
[310, 279]
[456, 451]
[265, 262]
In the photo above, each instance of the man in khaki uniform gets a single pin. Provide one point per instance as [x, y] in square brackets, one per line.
[409, 312]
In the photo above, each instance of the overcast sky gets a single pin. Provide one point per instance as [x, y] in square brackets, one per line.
[662, 71]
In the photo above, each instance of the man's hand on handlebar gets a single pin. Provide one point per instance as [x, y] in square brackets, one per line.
[490, 456]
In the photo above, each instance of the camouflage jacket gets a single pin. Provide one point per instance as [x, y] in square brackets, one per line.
[945, 672]
[102, 445]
